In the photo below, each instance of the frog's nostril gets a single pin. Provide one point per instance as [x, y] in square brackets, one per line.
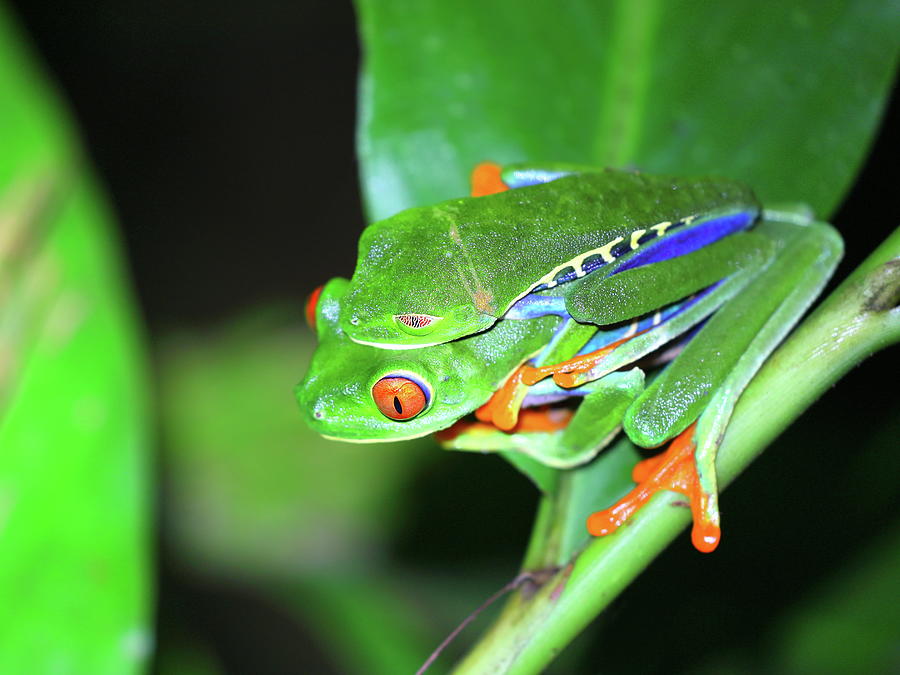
[318, 414]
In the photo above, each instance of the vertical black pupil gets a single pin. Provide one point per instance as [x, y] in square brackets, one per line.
[397, 406]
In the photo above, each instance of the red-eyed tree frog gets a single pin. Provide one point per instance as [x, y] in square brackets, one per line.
[359, 393]
[550, 284]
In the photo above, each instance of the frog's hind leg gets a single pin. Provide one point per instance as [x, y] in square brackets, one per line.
[633, 289]
[672, 470]
[598, 353]
[741, 336]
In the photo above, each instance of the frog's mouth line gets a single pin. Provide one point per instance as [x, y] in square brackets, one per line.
[387, 345]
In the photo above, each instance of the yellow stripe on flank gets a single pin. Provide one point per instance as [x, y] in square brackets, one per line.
[577, 263]
[635, 238]
[661, 228]
[605, 252]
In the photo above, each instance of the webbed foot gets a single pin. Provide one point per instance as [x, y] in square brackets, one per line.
[675, 469]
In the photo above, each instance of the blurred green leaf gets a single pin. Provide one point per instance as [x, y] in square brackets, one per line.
[252, 490]
[369, 622]
[254, 494]
[783, 95]
[849, 623]
[186, 659]
[74, 498]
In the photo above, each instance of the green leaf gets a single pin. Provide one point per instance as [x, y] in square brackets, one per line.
[259, 494]
[785, 96]
[75, 564]
[256, 498]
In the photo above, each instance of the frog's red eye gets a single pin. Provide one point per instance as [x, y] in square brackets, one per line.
[416, 324]
[416, 320]
[399, 397]
[310, 309]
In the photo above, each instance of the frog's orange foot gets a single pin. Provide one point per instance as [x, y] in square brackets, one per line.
[502, 409]
[676, 470]
[601, 523]
[569, 380]
[487, 179]
[544, 419]
[575, 371]
[645, 468]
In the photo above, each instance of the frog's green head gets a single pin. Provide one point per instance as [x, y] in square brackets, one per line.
[416, 284]
[361, 393]
[356, 392]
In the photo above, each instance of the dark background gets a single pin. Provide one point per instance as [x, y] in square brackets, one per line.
[224, 132]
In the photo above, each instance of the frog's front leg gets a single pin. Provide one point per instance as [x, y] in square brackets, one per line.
[695, 395]
[657, 291]
[502, 410]
[555, 437]
[596, 352]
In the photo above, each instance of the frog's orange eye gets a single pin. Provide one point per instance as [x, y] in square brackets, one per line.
[310, 309]
[399, 398]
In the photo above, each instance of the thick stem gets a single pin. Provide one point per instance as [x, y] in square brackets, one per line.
[859, 318]
[547, 546]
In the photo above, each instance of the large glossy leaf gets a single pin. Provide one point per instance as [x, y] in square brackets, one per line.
[783, 95]
[74, 500]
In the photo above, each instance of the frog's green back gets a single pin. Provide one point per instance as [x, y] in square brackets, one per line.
[432, 274]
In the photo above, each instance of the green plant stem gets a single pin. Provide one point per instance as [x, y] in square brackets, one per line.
[861, 317]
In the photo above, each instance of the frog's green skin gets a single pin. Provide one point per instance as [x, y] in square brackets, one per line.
[336, 393]
[460, 265]
[596, 422]
[768, 277]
